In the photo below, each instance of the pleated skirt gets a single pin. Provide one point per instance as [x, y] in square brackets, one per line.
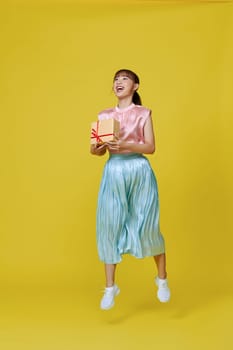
[128, 210]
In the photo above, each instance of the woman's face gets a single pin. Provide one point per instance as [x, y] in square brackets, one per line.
[123, 86]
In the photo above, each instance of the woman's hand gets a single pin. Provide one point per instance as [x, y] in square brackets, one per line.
[113, 146]
[99, 149]
[116, 145]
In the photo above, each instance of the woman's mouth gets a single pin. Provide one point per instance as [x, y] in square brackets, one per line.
[119, 88]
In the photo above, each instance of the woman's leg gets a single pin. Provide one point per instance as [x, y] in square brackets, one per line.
[111, 290]
[110, 274]
[160, 261]
[163, 292]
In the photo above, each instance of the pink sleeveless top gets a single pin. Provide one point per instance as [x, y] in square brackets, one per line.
[132, 120]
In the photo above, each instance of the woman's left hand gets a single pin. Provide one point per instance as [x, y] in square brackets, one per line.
[115, 145]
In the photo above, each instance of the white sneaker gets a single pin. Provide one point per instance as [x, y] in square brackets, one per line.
[163, 292]
[107, 302]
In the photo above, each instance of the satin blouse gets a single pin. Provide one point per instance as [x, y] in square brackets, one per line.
[132, 120]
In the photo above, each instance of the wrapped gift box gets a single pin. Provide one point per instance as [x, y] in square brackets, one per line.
[104, 131]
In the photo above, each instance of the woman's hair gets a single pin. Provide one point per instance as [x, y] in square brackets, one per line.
[133, 76]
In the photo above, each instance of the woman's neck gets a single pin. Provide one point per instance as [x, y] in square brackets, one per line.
[125, 102]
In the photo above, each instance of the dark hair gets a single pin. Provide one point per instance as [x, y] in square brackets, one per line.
[133, 76]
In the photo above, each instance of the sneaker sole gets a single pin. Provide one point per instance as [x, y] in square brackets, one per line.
[163, 300]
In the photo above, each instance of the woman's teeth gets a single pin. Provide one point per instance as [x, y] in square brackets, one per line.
[120, 88]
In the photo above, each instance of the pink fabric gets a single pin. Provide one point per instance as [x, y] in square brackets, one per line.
[132, 120]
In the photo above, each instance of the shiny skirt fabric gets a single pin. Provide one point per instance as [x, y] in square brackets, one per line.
[128, 210]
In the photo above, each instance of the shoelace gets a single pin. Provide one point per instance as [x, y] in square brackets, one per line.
[163, 285]
[108, 292]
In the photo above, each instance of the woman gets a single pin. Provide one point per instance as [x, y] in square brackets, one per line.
[128, 206]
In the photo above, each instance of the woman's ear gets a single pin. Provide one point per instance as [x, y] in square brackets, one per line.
[136, 86]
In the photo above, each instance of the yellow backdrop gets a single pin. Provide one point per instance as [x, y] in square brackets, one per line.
[57, 63]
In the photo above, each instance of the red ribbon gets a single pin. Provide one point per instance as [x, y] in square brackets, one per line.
[95, 135]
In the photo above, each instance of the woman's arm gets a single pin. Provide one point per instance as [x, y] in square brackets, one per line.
[148, 147]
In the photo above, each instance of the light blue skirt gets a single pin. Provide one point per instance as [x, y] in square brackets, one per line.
[128, 210]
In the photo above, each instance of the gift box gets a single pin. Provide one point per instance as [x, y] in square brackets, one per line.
[104, 131]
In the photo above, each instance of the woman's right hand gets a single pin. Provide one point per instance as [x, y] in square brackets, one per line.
[99, 149]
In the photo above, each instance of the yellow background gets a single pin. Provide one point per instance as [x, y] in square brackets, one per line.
[56, 66]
